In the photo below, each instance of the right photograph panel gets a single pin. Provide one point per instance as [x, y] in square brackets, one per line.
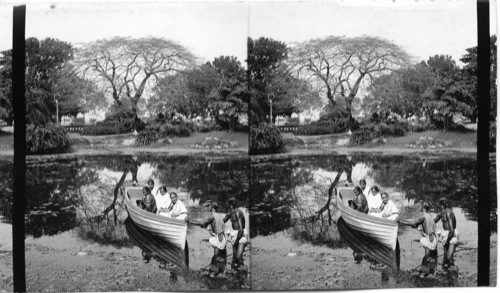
[363, 145]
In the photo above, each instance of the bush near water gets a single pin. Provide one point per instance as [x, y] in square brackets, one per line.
[156, 131]
[117, 123]
[266, 139]
[370, 131]
[46, 139]
[322, 127]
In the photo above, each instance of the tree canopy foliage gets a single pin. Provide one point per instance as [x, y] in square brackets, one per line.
[216, 90]
[469, 72]
[341, 67]
[52, 83]
[126, 67]
[273, 85]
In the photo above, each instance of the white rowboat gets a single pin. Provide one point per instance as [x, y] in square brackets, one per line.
[382, 230]
[170, 229]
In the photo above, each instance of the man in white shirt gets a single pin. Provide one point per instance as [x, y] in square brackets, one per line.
[387, 209]
[374, 199]
[162, 200]
[176, 209]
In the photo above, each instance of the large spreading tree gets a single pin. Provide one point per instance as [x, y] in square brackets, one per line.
[125, 67]
[341, 66]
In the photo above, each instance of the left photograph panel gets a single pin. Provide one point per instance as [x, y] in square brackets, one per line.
[137, 174]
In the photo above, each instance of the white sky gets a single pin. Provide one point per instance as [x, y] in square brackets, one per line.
[213, 28]
[208, 29]
[424, 28]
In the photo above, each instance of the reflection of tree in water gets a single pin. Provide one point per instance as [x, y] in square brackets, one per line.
[219, 181]
[69, 193]
[429, 180]
[284, 194]
[206, 179]
[271, 198]
[66, 194]
[51, 198]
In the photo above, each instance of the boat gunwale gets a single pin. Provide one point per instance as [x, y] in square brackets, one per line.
[149, 215]
[354, 213]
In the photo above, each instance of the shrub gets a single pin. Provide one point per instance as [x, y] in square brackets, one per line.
[106, 128]
[155, 132]
[47, 139]
[266, 139]
[362, 135]
[146, 136]
[203, 128]
[421, 127]
[170, 130]
[127, 119]
[368, 132]
[322, 127]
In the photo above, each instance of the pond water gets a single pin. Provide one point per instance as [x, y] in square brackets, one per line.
[65, 217]
[288, 193]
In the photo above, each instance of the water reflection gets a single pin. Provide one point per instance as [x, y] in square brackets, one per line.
[295, 190]
[87, 194]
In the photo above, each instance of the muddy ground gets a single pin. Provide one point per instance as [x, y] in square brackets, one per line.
[65, 263]
[280, 263]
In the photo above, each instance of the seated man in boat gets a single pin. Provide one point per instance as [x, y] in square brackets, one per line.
[218, 240]
[237, 235]
[162, 200]
[148, 201]
[428, 231]
[387, 209]
[374, 200]
[176, 209]
[449, 237]
[359, 202]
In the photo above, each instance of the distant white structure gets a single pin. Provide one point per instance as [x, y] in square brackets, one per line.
[88, 118]
[304, 117]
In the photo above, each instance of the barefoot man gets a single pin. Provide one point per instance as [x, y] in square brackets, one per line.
[449, 237]
[429, 240]
[238, 223]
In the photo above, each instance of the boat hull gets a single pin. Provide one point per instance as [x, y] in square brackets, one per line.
[382, 230]
[172, 230]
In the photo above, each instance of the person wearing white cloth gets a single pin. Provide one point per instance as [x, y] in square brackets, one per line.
[162, 200]
[428, 231]
[387, 209]
[449, 237]
[176, 209]
[364, 188]
[151, 185]
[236, 236]
[215, 224]
[374, 200]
